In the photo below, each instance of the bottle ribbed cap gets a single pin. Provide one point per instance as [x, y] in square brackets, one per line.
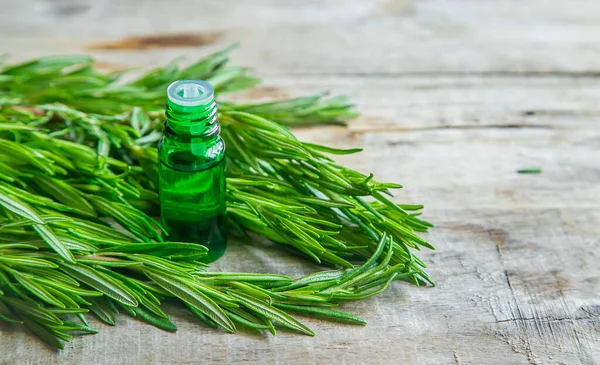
[190, 93]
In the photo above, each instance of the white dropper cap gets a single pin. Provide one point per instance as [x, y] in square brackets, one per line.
[190, 92]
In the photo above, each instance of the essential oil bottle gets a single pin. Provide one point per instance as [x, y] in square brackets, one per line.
[192, 168]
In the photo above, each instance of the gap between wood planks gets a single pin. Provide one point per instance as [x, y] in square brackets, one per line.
[458, 126]
[457, 74]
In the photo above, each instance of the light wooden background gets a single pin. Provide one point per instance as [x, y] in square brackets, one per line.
[456, 96]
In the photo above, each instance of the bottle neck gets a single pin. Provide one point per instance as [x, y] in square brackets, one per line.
[192, 122]
[191, 140]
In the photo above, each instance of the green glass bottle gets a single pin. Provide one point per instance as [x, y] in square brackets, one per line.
[192, 168]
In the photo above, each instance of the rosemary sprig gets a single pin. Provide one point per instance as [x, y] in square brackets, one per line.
[66, 167]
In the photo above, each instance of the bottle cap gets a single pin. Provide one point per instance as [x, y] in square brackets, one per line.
[190, 93]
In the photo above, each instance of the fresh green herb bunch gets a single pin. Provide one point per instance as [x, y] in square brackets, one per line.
[65, 168]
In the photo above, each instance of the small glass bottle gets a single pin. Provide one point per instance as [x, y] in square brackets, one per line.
[192, 168]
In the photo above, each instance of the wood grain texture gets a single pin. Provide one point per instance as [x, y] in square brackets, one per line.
[456, 97]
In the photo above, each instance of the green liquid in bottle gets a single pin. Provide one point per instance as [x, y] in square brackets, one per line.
[192, 169]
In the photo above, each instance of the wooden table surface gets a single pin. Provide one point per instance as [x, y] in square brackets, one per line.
[456, 96]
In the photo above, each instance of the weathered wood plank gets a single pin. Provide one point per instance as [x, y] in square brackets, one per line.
[472, 315]
[389, 37]
[409, 103]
